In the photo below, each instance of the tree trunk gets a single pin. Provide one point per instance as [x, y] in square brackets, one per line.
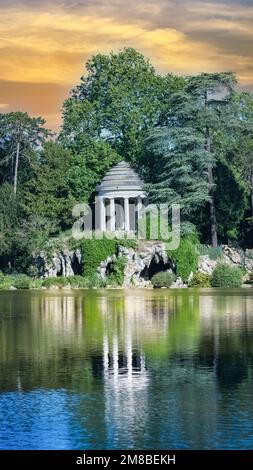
[213, 220]
[16, 168]
[251, 189]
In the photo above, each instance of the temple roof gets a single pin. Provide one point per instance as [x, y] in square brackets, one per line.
[121, 177]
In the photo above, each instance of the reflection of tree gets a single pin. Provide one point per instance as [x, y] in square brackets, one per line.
[232, 370]
[137, 361]
[54, 334]
[226, 344]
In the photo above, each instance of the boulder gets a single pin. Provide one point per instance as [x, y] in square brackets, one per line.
[178, 284]
[206, 265]
[63, 262]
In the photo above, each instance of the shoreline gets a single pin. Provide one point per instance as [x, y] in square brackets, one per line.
[69, 288]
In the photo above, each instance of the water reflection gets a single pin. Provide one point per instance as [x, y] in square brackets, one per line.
[133, 369]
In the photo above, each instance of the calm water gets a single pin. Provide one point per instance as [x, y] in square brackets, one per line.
[126, 369]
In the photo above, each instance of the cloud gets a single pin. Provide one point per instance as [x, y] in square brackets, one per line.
[44, 45]
[40, 99]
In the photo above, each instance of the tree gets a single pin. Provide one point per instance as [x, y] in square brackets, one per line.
[211, 95]
[8, 219]
[199, 112]
[47, 193]
[180, 170]
[19, 133]
[243, 144]
[62, 178]
[118, 101]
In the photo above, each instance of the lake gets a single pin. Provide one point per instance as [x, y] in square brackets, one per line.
[131, 369]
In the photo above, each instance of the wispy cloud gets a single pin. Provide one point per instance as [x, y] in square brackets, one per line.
[44, 45]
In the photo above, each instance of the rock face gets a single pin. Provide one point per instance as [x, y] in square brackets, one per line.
[61, 263]
[232, 256]
[206, 265]
[150, 257]
[142, 263]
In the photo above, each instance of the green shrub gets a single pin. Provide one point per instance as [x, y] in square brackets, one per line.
[33, 271]
[225, 275]
[127, 242]
[5, 281]
[186, 257]
[95, 281]
[116, 276]
[78, 281]
[162, 279]
[36, 283]
[200, 280]
[94, 252]
[55, 281]
[21, 281]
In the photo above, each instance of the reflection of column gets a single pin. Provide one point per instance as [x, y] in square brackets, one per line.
[106, 354]
[126, 212]
[102, 214]
[112, 214]
[129, 357]
[115, 355]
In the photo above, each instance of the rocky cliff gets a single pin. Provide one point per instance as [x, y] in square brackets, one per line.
[142, 262]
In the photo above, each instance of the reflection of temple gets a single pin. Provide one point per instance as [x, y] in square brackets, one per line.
[138, 313]
[124, 365]
[168, 368]
[125, 387]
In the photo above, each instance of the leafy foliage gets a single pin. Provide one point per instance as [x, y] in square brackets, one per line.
[213, 252]
[117, 101]
[19, 281]
[185, 257]
[19, 134]
[200, 280]
[96, 251]
[180, 176]
[191, 140]
[55, 282]
[225, 275]
[117, 267]
[162, 279]
[191, 144]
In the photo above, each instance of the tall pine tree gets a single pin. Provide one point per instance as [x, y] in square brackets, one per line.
[186, 142]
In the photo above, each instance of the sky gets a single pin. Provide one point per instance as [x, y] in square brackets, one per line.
[44, 44]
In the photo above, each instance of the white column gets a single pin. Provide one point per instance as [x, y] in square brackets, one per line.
[126, 213]
[112, 214]
[139, 208]
[102, 214]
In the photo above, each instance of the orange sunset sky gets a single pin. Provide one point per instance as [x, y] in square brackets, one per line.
[45, 44]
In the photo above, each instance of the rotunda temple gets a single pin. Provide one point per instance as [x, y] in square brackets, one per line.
[121, 199]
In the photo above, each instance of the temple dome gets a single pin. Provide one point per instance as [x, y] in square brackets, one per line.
[120, 177]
